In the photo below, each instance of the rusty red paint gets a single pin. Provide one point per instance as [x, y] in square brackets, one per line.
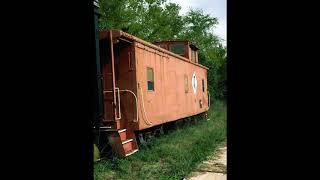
[170, 100]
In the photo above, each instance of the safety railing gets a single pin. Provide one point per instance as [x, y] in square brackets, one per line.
[119, 108]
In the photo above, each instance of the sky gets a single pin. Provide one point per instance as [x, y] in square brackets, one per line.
[216, 8]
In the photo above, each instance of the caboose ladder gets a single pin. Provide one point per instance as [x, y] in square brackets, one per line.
[122, 139]
[123, 142]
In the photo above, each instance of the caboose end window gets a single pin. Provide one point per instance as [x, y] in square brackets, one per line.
[193, 55]
[150, 79]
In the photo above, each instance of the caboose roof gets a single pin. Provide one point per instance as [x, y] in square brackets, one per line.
[120, 34]
[178, 40]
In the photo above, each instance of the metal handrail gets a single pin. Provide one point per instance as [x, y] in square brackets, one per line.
[135, 97]
[119, 109]
[146, 120]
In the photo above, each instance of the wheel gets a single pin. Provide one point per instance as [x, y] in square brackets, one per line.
[159, 131]
[141, 139]
[148, 136]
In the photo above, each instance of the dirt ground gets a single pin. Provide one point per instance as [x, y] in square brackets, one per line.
[215, 168]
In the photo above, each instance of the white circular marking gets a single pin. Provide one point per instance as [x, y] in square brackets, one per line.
[194, 83]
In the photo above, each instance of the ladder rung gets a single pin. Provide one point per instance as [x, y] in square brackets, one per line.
[132, 152]
[121, 130]
[126, 141]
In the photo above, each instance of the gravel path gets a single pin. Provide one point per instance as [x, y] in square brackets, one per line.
[215, 168]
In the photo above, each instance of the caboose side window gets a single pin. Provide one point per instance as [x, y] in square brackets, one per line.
[178, 48]
[150, 79]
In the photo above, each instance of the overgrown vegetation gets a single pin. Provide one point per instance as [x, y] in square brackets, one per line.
[171, 156]
[156, 20]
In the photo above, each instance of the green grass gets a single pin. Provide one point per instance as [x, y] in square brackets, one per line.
[171, 156]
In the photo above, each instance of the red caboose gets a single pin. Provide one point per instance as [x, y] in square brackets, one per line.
[147, 85]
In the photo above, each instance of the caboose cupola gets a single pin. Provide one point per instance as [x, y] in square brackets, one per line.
[181, 47]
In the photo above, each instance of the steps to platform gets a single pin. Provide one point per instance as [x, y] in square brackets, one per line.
[123, 142]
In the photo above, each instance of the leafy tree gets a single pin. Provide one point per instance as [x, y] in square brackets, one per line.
[146, 19]
[156, 20]
[198, 29]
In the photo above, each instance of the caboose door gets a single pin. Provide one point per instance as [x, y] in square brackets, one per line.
[111, 92]
[125, 78]
[120, 75]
